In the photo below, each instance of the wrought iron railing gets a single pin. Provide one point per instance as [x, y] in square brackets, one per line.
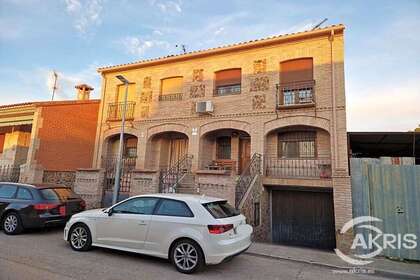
[115, 111]
[297, 93]
[227, 90]
[109, 164]
[170, 177]
[171, 97]
[9, 173]
[253, 169]
[297, 167]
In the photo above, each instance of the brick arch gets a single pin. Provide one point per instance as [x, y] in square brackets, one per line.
[116, 131]
[225, 124]
[297, 120]
[167, 127]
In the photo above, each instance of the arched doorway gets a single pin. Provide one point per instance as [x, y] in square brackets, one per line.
[225, 149]
[109, 163]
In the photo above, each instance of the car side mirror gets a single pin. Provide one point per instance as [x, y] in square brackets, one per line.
[109, 212]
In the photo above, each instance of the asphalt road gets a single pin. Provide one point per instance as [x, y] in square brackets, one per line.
[44, 255]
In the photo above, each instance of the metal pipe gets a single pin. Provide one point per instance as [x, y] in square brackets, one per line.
[120, 150]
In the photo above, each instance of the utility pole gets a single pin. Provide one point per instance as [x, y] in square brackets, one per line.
[55, 85]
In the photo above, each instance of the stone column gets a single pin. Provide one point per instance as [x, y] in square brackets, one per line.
[144, 182]
[194, 147]
[89, 185]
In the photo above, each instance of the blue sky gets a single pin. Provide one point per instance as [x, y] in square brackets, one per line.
[74, 37]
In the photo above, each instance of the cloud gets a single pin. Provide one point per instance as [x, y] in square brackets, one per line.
[138, 46]
[219, 30]
[85, 14]
[388, 107]
[167, 6]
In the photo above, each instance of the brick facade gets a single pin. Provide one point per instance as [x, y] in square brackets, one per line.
[252, 112]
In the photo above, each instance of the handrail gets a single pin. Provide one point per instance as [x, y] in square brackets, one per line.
[9, 173]
[247, 176]
[115, 111]
[170, 177]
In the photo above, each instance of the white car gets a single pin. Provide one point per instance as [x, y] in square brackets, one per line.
[189, 230]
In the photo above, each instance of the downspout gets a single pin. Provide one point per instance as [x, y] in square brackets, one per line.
[99, 132]
[333, 101]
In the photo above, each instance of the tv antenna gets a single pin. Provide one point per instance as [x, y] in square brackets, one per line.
[319, 24]
[55, 85]
[183, 47]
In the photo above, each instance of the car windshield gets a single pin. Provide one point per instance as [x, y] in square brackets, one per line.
[60, 194]
[221, 209]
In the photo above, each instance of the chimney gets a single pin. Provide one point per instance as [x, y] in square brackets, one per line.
[83, 91]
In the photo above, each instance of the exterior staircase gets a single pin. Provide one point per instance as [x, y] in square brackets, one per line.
[170, 178]
[187, 184]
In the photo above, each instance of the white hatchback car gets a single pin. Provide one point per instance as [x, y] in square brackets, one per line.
[189, 230]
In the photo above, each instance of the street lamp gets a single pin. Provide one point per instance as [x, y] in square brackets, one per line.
[120, 147]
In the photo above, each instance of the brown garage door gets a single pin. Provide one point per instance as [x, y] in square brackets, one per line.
[303, 218]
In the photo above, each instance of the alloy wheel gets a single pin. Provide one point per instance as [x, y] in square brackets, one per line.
[185, 256]
[10, 223]
[79, 237]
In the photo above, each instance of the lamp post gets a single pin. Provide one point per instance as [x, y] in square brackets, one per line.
[120, 147]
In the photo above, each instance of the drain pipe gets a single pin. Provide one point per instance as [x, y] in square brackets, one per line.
[333, 101]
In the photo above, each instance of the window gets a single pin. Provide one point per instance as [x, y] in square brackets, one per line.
[223, 147]
[24, 193]
[171, 89]
[221, 209]
[131, 94]
[297, 144]
[257, 214]
[227, 82]
[58, 194]
[296, 70]
[144, 206]
[7, 191]
[170, 207]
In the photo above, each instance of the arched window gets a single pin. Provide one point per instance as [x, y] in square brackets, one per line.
[227, 82]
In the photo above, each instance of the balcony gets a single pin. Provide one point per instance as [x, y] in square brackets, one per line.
[171, 97]
[115, 111]
[283, 168]
[296, 95]
[227, 90]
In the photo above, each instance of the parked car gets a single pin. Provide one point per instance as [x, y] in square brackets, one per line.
[33, 206]
[189, 230]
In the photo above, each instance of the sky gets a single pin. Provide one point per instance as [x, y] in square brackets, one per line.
[75, 37]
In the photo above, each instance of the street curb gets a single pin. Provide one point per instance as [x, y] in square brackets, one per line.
[378, 272]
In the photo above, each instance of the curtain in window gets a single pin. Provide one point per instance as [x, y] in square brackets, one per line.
[297, 144]
[296, 70]
[171, 85]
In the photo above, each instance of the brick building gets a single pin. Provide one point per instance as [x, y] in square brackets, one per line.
[260, 123]
[47, 141]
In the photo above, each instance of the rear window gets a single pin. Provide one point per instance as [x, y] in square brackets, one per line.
[221, 209]
[61, 194]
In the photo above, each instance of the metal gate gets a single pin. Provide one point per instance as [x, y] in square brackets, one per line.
[303, 217]
[128, 164]
[392, 194]
[9, 173]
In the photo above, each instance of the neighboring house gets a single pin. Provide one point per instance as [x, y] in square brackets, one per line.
[47, 139]
[260, 123]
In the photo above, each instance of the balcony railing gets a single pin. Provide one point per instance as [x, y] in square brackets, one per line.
[227, 90]
[297, 167]
[115, 111]
[296, 94]
[171, 97]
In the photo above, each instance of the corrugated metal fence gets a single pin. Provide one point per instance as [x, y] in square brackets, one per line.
[391, 193]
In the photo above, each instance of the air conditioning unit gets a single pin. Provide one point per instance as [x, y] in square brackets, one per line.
[203, 107]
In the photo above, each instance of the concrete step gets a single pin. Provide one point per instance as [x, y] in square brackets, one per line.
[184, 190]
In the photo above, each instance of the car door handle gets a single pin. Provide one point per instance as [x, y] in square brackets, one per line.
[142, 223]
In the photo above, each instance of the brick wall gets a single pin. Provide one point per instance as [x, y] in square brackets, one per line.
[67, 135]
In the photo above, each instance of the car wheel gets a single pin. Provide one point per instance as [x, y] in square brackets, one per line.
[12, 224]
[80, 238]
[187, 256]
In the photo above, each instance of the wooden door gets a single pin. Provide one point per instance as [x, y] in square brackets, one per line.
[303, 218]
[244, 153]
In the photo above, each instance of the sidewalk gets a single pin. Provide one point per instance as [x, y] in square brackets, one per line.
[382, 266]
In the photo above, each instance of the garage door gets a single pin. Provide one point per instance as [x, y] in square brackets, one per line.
[303, 218]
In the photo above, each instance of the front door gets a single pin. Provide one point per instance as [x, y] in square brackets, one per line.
[178, 148]
[244, 153]
[127, 225]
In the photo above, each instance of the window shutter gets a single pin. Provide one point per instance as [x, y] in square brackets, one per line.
[131, 95]
[228, 77]
[296, 70]
[171, 85]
